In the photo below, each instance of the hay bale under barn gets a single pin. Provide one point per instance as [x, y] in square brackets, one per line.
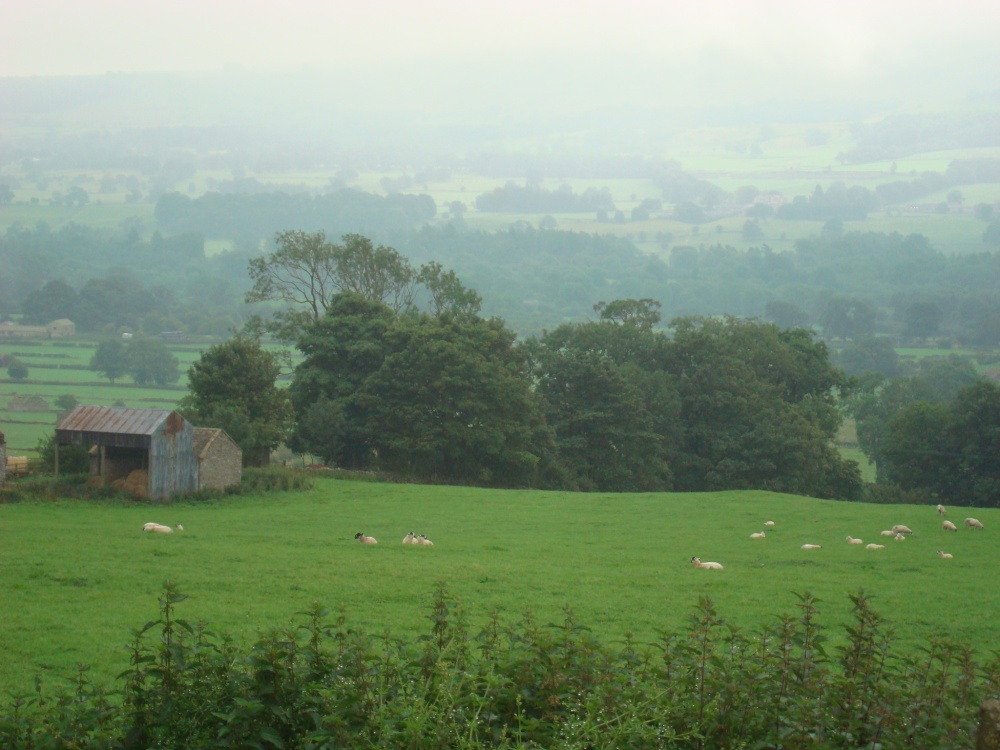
[136, 483]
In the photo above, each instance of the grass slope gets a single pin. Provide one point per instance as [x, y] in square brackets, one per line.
[76, 577]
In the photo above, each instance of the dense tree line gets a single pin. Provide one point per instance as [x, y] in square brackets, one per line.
[513, 198]
[613, 405]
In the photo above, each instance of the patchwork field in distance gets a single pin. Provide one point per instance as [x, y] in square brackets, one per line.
[78, 576]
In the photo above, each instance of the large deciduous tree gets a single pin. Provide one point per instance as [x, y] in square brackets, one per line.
[150, 361]
[110, 359]
[233, 386]
[442, 398]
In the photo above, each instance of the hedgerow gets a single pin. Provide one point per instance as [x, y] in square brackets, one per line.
[710, 684]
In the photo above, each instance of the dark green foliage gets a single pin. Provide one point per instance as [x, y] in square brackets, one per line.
[110, 359]
[948, 450]
[16, 369]
[73, 459]
[232, 386]
[150, 361]
[522, 685]
[869, 354]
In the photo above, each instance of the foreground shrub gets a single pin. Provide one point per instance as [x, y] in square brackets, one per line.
[709, 685]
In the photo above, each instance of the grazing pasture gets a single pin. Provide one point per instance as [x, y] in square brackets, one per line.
[77, 576]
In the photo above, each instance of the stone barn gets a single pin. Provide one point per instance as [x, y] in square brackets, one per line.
[154, 445]
[220, 460]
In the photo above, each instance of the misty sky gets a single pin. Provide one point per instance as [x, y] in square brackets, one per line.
[639, 47]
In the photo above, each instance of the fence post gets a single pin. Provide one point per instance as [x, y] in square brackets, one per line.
[988, 736]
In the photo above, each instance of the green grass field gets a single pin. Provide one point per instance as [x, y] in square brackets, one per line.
[77, 576]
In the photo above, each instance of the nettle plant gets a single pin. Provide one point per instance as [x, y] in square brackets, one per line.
[708, 685]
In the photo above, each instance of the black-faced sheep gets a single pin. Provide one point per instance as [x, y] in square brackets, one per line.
[706, 565]
[361, 537]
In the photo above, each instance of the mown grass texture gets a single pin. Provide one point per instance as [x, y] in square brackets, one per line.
[77, 576]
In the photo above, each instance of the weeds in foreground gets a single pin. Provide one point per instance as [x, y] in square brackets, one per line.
[523, 685]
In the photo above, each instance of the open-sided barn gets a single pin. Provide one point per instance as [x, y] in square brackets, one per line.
[155, 441]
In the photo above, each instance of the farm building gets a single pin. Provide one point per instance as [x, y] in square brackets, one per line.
[130, 442]
[57, 329]
[220, 460]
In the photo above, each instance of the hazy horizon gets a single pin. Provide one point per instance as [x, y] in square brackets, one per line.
[537, 56]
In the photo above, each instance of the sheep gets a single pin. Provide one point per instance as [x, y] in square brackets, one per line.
[410, 539]
[180, 528]
[948, 526]
[706, 565]
[900, 529]
[424, 541]
[158, 528]
[149, 526]
[888, 532]
[900, 537]
[769, 523]
[944, 555]
[758, 535]
[811, 546]
[874, 546]
[852, 540]
[360, 536]
[973, 523]
[941, 510]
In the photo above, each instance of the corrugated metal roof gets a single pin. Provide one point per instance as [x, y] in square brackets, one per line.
[113, 420]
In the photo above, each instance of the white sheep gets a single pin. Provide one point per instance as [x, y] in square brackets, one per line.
[888, 532]
[900, 529]
[158, 528]
[424, 541]
[900, 537]
[852, 540]
[944, 555]
[149, 526]
[758, 535]
[874, 546]
[769, 523]
[941, 510]
[948, 526]
[706, 565]
[973, 523]
[811, 546]
[361, 537]
[180, 528]
[410, 539]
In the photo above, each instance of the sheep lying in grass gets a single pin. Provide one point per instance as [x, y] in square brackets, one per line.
[424, 541]
[360, 536]
[758, 535]
[706, 565]
[944, 555]
[973, 523]
[852, 540]
[157, 528]
[948, 526]
[769, 523]
[900, 529]
[900, 537]
[811, 546]
[410, 538]
[888, 532]
[941, 510]
[874, 546]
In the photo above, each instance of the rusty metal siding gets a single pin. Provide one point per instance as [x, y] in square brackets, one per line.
[173, 466]
[110, 425]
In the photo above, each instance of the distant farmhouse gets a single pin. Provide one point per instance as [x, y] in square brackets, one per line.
[152, 453]
[57, 329]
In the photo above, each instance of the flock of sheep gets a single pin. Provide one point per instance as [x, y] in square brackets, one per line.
[898, 532]
[410, 538]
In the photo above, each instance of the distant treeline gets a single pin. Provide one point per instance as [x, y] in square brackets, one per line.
[238, 215]
[531, 278]
[901, 135]
[512, 198]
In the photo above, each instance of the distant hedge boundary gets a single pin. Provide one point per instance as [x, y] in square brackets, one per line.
[711, 685]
